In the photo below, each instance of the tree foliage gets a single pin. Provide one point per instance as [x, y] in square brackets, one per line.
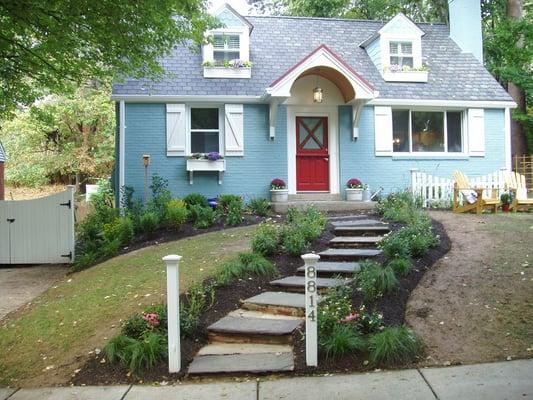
[61, 138]
[46, 46]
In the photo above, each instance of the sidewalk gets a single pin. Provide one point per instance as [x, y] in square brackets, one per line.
[498, 381]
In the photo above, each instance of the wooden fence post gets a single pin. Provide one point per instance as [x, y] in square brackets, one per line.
[173, 312]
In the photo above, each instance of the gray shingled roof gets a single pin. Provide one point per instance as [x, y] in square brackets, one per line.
[277, 43]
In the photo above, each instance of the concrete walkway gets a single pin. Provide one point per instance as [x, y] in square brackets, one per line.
[495, 381]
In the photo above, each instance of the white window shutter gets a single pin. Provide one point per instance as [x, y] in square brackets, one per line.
[476, 132]
[234, 129]
[176, 130]
[383, 130]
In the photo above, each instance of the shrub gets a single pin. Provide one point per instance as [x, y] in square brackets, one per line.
[336, 304]
[225, 200]
[369, 322]
[395, 245]
[149, 222]
[375, 280]
[259, 207]
[134, 327]
[160, 197]
[400, 266]
[399, 207]
[258, 265]
[294, 241]
[266, 240]
[202, 217]
[234, 213]
[198, 298]
[137, 354]
[230, 271]
[195, 199]
[341, 341]
[176, 213]
[395, 345]
[121, 229]
[415, 239]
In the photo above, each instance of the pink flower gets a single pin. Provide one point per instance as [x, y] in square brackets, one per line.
[152, 319]
[350, 317]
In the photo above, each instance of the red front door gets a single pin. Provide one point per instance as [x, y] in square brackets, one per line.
[312, 157]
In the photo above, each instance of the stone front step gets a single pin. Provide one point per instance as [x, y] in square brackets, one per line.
[351, 217]
[217, 349]
[348, 254]
[297, 282]
[358, 222]
[354, 241]
[332, 205]
[334, 268]
[243, 312]
[364, 230]
[242, 363]
[253, 330]
[277, 303]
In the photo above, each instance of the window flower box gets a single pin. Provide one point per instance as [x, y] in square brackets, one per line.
[194, 164]
[222, 72]
[406, 76]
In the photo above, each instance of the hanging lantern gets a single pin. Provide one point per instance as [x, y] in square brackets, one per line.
[317, 94]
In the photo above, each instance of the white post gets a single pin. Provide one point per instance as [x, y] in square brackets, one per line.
[311, 310]
[173, 312]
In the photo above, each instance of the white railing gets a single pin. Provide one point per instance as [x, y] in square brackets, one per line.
[438, 192]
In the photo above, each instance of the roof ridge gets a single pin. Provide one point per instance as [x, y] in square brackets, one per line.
[334, 19]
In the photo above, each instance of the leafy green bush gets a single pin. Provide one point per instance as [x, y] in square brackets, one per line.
[395, 345]
[341, 341]
[234, 213]
[400, 266]
[198, 298]
[399, 207]
[266, 240]
[369, 322]
[160, 197]
[120, 229]
[149, 222]
[336, 304]
[137, 354]
[395, 245]
[258, 265]
[259, 207]
[176, 213]
[135, 326]
[414, 239]
[224, 201]
[195, 199]
[294, 241]
[202, 217]
[375, 280]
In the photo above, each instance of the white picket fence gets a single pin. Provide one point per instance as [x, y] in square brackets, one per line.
[438, 192]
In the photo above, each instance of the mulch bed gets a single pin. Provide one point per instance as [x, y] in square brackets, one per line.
[228, 299]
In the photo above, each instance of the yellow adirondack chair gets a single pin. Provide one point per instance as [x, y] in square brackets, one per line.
[472, 197]
[516, 183]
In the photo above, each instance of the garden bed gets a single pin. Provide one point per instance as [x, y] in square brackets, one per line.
[227, 299]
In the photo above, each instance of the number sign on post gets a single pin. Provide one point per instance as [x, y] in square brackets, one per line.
[173, 312]
[311, 310]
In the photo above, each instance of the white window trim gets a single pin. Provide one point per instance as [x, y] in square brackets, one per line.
[401, 55]
[433, 154]
[226, 48]
[220, 129]
[416, 41]
[244, 43]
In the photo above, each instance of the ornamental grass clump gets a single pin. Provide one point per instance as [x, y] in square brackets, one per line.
[259, 207]
[374, 280]
[394, 346]
[400, 266]
[343, 340]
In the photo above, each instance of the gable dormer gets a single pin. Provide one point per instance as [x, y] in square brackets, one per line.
[227, 51]
[396, 51]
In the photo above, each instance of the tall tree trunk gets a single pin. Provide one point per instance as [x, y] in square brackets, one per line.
[518, 139]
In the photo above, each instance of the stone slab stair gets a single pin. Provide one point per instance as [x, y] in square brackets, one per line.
[257, 338]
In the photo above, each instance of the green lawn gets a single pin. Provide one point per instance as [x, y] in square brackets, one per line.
[47, 341]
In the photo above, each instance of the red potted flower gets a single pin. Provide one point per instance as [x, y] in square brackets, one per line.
[278, 191]
[506, 199]
[354, 190]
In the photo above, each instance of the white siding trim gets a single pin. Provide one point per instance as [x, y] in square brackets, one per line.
[442, 103]
[476, 132]
[234, 129]
[383, 131]
[122, 150]
[508, 154]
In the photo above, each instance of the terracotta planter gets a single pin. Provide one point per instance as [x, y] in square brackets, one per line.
[354, 194]
[279, 195]
[505, 207]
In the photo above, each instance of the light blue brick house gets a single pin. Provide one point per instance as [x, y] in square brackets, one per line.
[324, 100]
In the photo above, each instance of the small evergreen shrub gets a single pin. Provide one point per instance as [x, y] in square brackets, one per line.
[121, 229]
[375, 280]
[395, 345]
[259, 207]
[294, 241]
[202, 217]
[343, 340]
[149, 222]
[266, 240]
[195, 199]
[234, 213]
[176, 213]
[400, 266]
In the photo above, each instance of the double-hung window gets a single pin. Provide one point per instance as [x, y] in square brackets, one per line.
[226, 47]
[401, 54]
[205, 130]
[427, 131]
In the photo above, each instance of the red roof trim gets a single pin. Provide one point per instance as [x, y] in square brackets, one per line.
[334, 55]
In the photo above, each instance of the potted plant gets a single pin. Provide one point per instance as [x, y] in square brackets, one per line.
[506, 199]
[278, 191]
[354, 190]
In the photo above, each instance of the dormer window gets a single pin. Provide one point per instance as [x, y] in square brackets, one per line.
[226, 47]
[401, 54]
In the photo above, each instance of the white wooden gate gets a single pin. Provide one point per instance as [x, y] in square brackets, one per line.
[39, 231]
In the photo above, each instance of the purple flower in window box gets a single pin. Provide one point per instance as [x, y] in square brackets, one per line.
[214, 156]
[277, 184]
